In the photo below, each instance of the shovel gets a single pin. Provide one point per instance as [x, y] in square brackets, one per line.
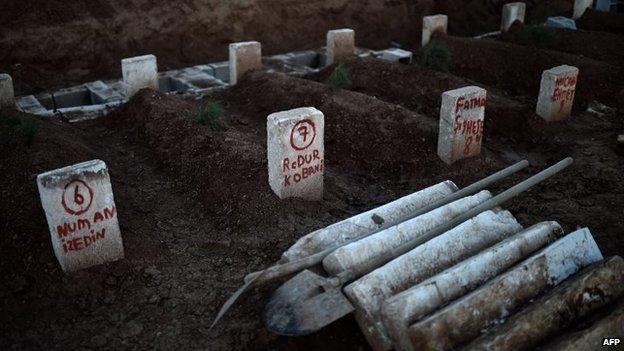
[308, 301]
[282, 270]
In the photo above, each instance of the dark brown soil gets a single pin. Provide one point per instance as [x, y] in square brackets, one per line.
[602, 21]
[420, 89]
[600, 46]
[518, 69]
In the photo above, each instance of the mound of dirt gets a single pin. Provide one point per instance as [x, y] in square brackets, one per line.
[602, 21]
[601, 46]
[420, 89]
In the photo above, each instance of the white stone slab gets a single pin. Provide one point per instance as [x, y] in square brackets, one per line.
[295, 148]
[397, 55]
[461, 123]
[138, 73]
[433, 24]
[512, 12]
[580, 6]
[244, 57]
[7, 95]
[556, 95]
[81, 213]
[340, 43]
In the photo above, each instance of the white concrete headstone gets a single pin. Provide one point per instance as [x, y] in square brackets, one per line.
[295, 148]
[340, 43]
[512, 12]
[7, 95]
[138, 73]
[556, 94]
[461, 123]
[580, 6]
[433, 24]
[244, 57]
[81, 213]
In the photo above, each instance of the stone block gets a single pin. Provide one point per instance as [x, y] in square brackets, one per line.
[138, 73]
[397, 55]
[340, 43]
[244, 57]
[580, 6]
[561, 22]
[461, 123]
[295, 148]
[81, 214]
[7, 95]
[512, 12]
[556, 94]
[433, 24]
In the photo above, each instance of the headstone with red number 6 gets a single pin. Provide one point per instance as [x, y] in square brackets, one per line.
[81, 213]
[295, 148]
[461, 123]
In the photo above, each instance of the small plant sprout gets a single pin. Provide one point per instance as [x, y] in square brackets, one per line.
[339, 79]
[210, 114]
[436, 56]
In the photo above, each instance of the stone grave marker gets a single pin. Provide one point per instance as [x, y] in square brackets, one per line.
[433, 24]
[295, 148]
[7, 95]
[81, 214]
[461, 123]
[512, 12]
[580, 6]
[244, 57]
[138, 73]
[340, 43]
[556, 94]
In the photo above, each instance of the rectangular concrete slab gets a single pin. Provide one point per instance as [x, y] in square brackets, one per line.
[461, 123]
[295, 148]
[81, 214]
[138, 73]
[244, 57]
[397, 55]
[340, 43]
[433, 24]
[7, 95]
[556, 95]
[512, 12]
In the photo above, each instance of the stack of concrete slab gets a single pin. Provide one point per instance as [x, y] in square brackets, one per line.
[488, 283]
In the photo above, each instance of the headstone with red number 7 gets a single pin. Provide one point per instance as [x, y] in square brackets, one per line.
[82, 216]
[295, 149]
[461, 123]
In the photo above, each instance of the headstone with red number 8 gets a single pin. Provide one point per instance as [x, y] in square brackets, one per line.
[81, 213]
[295, 148]
[461, 123]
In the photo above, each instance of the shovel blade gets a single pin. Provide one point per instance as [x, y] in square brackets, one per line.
[301, 306]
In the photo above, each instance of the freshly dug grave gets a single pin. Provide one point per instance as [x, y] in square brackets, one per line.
[518, 69]
[471, 18]
[600, 46]
[602, 21]
[197, 214]
[420, 89]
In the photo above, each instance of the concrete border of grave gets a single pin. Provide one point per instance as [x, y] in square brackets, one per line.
[295, 149]
[462, 117]
[556, 95]
[139, 72]
[7, 94]
[244, 57]
[340, 43]
[580, 6]
[82, 217]
[433, 24]
[512, 12]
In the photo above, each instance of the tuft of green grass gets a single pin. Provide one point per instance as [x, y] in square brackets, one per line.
[538, 36]
[339, 78]
[210, 114]
[18, 129]
[436, 56]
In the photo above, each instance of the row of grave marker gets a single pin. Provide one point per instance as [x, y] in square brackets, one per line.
[81, 212]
